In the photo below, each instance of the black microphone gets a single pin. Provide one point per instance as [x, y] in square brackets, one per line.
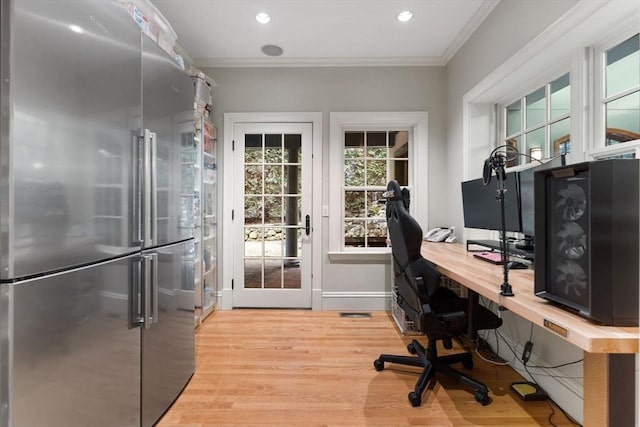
[497, 162]
[487, 171]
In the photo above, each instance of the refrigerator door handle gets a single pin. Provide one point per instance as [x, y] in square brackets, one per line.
[154, 187]
[138, 196]
[146, 295]
[147, 189]
[154, 288]
[135, 308]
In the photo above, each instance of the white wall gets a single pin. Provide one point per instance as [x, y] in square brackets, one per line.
[365, 285]
[511, 25]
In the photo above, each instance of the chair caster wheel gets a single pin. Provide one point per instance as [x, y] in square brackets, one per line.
[482, 398]
[378, 364]
[414, 398]
[468, 364]
[411, 349]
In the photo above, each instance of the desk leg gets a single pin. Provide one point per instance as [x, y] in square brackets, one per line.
[472, 315]
[609, 389]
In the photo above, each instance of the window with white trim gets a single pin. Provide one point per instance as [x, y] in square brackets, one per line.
[371, 159]
[539, 124]
[367, 150]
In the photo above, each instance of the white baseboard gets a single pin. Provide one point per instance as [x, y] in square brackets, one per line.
[356, 301]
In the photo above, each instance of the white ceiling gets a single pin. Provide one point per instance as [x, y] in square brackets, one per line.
[224, 33]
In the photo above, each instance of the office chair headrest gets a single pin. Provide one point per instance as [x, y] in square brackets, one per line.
[396, 193]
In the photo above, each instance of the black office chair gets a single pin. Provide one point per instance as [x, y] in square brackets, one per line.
[436, 311]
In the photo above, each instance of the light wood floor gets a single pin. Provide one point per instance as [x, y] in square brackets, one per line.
[305, 368]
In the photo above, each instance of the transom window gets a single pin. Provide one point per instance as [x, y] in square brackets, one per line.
[539, 124]
[371, 160]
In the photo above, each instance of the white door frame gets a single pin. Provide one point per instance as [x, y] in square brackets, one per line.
[230, 120]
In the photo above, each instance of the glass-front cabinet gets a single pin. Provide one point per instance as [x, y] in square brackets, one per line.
[209, 276]
[202, 207]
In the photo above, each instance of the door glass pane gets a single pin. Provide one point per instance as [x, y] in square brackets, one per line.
[253, 179]
[273, 148]
[253, 242]
[291, 276]
[623, 119]
[560, 96]
[514, 118]
[623, 66]
[272, 273]
[292, 207]
[273, 179]
[536, 104]
[253, 273]
[253, 148]
[273, 242]
[560, 135]
[293, 148]
[292, 181]
[253, 210]
[292, 244]
[273, 209]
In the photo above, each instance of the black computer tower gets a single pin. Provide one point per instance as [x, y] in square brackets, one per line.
[587, 239]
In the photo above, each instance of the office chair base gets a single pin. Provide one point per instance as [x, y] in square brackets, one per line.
[431, 363]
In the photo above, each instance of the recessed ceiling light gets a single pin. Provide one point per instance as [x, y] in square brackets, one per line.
[76, 29]
[404, 16]
[272, 50]
[263, 18]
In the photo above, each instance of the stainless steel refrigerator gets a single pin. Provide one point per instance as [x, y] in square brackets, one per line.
[96, 294]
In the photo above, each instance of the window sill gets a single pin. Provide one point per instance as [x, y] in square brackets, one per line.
[382, 255]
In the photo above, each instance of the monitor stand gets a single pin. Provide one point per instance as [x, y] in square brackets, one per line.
[526, 244]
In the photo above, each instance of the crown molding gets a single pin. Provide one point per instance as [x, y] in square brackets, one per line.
[319, 62]
[476, 20]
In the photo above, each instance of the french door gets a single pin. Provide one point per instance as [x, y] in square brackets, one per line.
[272, 215]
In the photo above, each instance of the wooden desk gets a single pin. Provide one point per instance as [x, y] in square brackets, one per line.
[609, 351]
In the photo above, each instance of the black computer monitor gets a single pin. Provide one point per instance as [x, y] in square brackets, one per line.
[481, 206]
[527, 194]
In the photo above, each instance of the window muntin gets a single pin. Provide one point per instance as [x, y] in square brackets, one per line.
[622, 92]
[542, 130]
[371, 159]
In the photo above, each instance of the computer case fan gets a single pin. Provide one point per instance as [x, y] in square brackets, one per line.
[587, 234]
[572, 280]
[572, 203]
[572, 240]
